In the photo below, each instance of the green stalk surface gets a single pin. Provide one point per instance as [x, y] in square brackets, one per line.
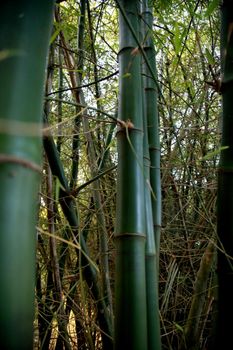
[24, 39]
[152, 179]
[130, 288]
[225, 185]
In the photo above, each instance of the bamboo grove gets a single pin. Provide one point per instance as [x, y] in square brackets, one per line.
[116, 179]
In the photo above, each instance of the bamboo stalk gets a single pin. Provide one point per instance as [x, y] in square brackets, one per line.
[25, 30]
[152, 190]
[192, 328]
[225, 185]
[130, 279]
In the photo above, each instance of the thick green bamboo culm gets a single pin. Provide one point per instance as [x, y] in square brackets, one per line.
[153, 324]
[130, 279]
[151, 92]
[24, 38]
[152, 179]
[225, 185]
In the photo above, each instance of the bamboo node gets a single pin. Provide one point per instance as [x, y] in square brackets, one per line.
[7, 158]
[125, 124]
[130, 235]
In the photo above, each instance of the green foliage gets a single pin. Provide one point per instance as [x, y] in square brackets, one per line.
[213, 5]
[209, 57]
[214, 153]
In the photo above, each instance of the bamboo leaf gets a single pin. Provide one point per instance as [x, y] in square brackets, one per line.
[178, 327]
[54, 35]
[176, 38]
[214, 153]
[212, 7]
[209, 57]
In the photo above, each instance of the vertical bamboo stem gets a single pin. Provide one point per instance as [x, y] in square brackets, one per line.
[130, 289]
[24, 38]
[225, 184]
